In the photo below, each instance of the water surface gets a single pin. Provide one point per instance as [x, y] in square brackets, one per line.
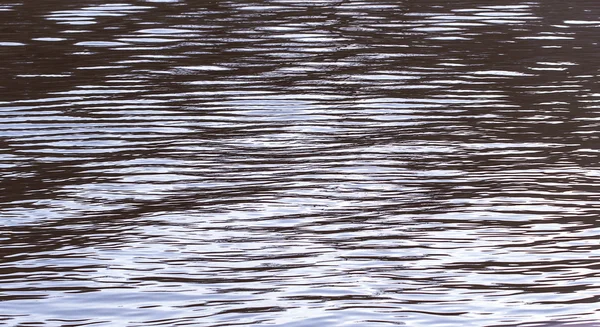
[299, 163]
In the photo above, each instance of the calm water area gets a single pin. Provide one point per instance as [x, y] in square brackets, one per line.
[300, 163]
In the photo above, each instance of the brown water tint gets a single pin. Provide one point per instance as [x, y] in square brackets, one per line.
[299, 163]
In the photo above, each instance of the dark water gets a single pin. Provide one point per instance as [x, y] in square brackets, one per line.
[299, 163]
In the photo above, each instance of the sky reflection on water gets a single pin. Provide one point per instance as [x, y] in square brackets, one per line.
[277, 163]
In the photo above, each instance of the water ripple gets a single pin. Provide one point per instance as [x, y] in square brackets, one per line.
[280, 163]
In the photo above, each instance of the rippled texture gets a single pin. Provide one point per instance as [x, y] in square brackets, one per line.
[299, 163]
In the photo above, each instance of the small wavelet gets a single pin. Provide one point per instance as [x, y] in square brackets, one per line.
[285, 163]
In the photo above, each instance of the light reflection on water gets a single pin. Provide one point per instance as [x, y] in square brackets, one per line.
[342, 163]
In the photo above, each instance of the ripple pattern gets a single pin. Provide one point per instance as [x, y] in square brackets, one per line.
[286, 163]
